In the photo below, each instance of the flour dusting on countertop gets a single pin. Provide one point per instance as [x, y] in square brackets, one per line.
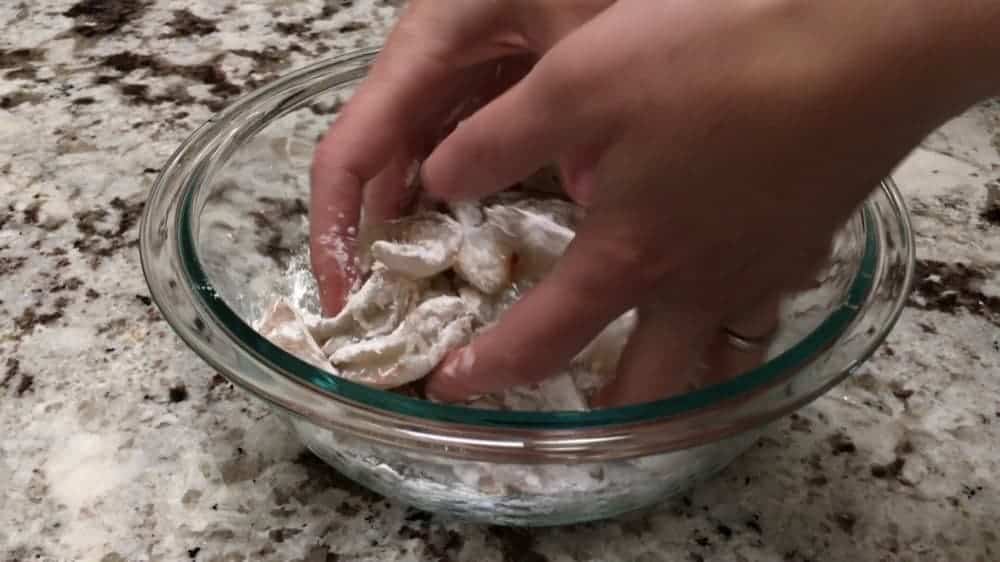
[118, 444]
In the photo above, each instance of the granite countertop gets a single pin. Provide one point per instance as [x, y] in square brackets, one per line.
[118, 444]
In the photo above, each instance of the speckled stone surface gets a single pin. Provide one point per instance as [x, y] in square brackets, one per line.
[118, 444]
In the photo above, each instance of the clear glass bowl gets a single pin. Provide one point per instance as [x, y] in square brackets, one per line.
[225, 230]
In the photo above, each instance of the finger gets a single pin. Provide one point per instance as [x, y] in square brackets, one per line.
[511, 137]
[661, 358]
[374, 126]
[421, 60]
[370, 131]
[392, 191]
[758, 323]
[538, 335]
[333, 219]
[724, 360]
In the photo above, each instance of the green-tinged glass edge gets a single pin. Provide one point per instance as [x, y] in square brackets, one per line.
[283, 362]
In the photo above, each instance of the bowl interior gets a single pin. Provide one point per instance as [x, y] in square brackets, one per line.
[243, 230]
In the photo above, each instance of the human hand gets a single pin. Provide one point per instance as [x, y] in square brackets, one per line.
[715, 159]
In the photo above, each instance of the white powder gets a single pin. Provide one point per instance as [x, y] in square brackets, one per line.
[285, 327]
[334, 244]
[419, 246]
[402, 321]
[412, 350]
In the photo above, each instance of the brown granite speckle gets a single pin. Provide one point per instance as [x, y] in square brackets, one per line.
[98, 238]
[14, 58]
[949, 287]
[299, 28]
[112, 327]
[320, 477]
[436, 542]
[12, 367]
[516, 545]
[69, 284]
[95, 18]
[900, 392]
[889, 470]
[846, 521]
[841, 443]
[10, 264]
[209, 73]
[177, 393]
[26, 72]
[139, 93]
[352, 26]
[27, 381]
[800, 423]
[320, 553]
[279, 535]
[991, 211]
[21, 63]
[269, 220]
[30, 318]
[186, 24]
[16, 99]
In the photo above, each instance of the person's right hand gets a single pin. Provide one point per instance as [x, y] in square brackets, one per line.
[716, 145]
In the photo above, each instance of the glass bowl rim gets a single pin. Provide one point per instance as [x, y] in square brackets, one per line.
[338, 390]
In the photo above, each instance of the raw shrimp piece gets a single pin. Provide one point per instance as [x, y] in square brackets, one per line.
[484, 259]
[376, 309]
[467, 213]
[435, 327]
[596, 364]
[285, 328]
[559, 211]
[537, 240]
[558, 393]
[481, 306]
[411, 310]
[528, 230]
[420, 246]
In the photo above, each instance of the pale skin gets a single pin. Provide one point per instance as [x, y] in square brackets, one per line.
[716, 146]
